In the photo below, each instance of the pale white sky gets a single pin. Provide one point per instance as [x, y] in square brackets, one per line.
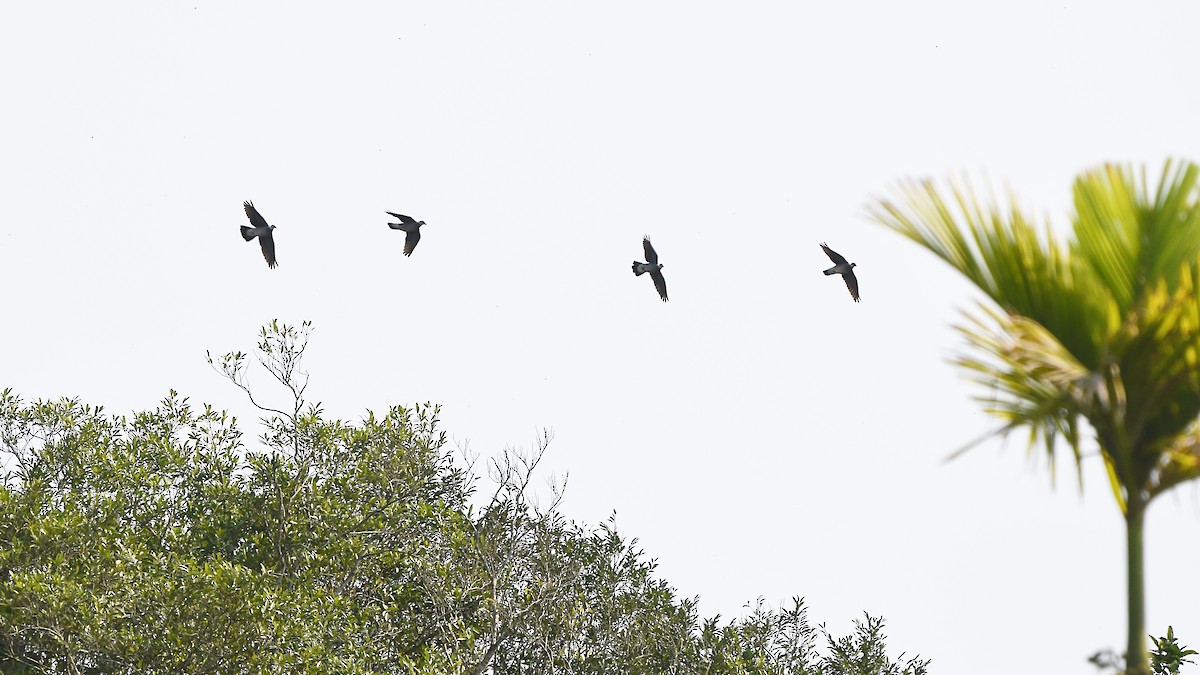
[760, 434]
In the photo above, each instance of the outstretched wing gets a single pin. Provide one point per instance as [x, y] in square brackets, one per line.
[267, 242]
[252, 213]
[410, 240]
[404, 219]
[852, 284]
[837, 259]
[659, 283]
[651, 256]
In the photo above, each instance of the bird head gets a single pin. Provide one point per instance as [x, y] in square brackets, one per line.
[853, 265]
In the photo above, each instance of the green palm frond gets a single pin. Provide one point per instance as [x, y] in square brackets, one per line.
[1104, 326]
[1130, 237]
[1032, 380]
[1180, 462]
[1022, 270]
[1160, 352]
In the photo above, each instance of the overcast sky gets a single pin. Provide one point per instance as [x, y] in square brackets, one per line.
[760, 434]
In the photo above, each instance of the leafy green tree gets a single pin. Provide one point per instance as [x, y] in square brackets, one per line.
[1105, 328]
[160, 543]
[765, 641]
[863, 653]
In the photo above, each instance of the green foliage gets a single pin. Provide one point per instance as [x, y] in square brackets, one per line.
[1168, 656]
[863, 653]
[1105, 328]
[160, 543]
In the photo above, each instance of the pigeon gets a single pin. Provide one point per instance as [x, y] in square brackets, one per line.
[411, 228]
[653, 267]
[840, 266]
[261, 230]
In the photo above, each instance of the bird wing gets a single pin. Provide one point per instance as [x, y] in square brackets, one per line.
[410, 241]
[837, 259]
[267, 242]
[659, 283]
[404, 219]
[852, 284]
[651, 256]
[252, 213]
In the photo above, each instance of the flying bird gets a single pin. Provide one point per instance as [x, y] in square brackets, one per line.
[261, 230]
[653, 267]
[840, 266]
[411, 229]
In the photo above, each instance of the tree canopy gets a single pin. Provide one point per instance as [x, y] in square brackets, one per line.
[164, 542]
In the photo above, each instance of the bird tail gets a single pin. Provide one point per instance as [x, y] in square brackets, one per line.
[637, 268]
[831, 270]
[247, 234]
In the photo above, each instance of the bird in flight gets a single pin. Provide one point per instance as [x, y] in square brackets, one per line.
[840, 266]
[261, 230]
[411, 229]
[653, 267]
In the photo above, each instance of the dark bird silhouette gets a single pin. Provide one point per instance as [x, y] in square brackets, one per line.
[846, 269]
[262, 230]
[653, 267]
[411, 229]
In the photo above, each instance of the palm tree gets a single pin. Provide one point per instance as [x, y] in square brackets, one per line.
[1105, 328]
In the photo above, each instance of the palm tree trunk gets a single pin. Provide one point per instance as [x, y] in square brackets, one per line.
[1137, 658]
